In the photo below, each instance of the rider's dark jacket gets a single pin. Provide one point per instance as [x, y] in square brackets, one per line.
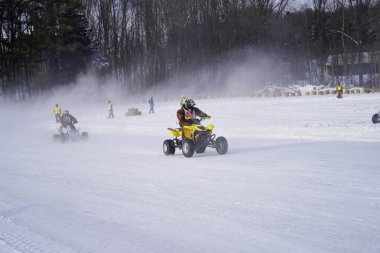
[68, 119]
[181, 113]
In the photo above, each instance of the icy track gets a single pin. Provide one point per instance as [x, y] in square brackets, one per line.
[302, 174]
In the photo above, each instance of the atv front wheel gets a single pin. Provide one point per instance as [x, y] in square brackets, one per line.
[375, 118]
[221, 145]
[58, 138]
[188, 148]
[84, 136]
[168, 147]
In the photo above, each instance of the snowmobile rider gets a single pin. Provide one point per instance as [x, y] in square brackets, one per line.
[188, 112]
[68, 120]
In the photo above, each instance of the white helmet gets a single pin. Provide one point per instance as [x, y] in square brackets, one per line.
[189, 104]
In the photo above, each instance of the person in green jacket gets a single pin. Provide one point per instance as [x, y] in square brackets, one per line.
[339, 90]
[183, 99]
[57, 113]
[110, 110]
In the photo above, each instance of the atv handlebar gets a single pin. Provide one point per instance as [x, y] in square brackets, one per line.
[198, 120]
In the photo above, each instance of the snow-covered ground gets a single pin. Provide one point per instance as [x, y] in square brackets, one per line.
[302, 174]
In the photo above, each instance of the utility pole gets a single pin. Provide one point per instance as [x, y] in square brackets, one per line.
[359, 44]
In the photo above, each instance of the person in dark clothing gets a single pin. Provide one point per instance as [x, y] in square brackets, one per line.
[151, 105]
[188, 112]
[67, 120]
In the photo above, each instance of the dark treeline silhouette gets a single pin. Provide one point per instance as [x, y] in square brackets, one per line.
[143, 43]
[43, 43]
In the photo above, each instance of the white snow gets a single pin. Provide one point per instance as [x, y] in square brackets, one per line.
[302, 174]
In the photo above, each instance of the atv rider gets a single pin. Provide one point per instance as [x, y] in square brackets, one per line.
[68, 120]
[188, 112]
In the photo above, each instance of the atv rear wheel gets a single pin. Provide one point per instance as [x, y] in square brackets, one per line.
[168, 147]
[188, 148]
[221, 145]
[375, 118]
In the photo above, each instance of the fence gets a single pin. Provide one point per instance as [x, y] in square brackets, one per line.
[276, 94]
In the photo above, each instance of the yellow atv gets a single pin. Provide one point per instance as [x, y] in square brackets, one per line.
[195, 138]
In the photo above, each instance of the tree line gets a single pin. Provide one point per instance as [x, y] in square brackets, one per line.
[144, 43]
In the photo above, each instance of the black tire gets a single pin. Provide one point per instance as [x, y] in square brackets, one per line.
[375, 118]
[200, 149]
[188, 148]
[60, 138]
[84, 136]
[168, 147]
[221, 145]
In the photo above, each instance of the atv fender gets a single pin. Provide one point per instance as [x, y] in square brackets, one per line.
[210, 127]
[175, 132]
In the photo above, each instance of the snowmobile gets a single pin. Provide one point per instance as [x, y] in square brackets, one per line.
[196, 138]
[376, 118]
[68, 134]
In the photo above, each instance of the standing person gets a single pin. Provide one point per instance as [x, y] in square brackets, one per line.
[151, 105]
[183, 99]
[339, 89]
[57, 113]
[110, 110]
